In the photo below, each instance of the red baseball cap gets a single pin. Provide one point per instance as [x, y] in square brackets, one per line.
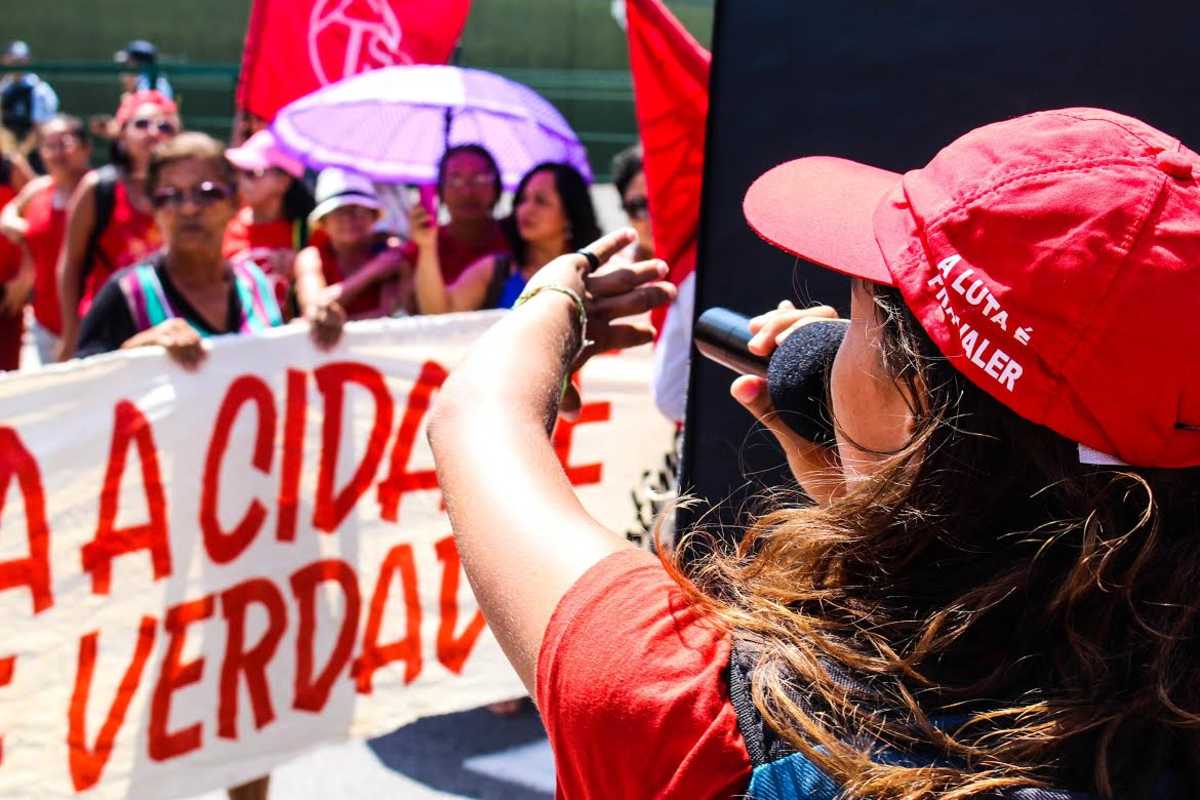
[135, 100]
[1054, 259]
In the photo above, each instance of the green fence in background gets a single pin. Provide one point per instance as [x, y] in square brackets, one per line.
[597, 103]
[571, 51]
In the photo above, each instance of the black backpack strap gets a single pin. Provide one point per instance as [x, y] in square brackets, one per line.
[105, 194]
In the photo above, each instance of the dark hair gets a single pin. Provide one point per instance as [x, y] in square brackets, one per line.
[476, 149]
[625, 167]
[984, 599]
[576, 202]
[298, 201]
[117, 155]
[189, 144]
[73, 124]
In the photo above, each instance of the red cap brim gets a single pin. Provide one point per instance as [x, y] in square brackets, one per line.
[821, 209]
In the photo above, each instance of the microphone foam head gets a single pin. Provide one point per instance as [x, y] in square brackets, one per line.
[798, 378]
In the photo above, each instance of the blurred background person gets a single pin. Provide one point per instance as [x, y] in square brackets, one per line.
[110, 221]
[140, 57]
[673, 349]
[189, 290]
[25, 101]
[350, 268]
[552, 215]
[272, 224]
[37, 219]
[469, 187]
[629, 177]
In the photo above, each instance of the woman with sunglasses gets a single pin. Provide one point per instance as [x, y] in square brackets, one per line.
[990, 590]
[271, 226]
[188, 291]
[110, 222]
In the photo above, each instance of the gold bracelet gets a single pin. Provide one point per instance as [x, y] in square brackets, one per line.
[529, 294]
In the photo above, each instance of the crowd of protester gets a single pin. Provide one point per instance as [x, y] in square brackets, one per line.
[163, 243]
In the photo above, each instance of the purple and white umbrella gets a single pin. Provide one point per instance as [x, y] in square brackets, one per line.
[393, 124]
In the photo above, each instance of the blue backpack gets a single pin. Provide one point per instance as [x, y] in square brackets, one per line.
[780, 772]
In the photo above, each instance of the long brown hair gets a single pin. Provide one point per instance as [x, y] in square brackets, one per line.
[984, 600]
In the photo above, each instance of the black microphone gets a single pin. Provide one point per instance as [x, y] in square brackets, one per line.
[797, 372]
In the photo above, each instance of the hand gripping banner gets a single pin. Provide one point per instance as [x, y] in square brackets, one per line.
[204, 574]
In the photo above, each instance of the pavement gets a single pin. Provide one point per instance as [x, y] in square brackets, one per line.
[473, 755]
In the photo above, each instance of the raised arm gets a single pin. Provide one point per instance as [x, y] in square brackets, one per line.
[12, 217]
[522, 533]
[81, 218]
[433, 296]
[322, 311]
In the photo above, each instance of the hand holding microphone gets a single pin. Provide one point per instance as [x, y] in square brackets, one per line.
[784, 356]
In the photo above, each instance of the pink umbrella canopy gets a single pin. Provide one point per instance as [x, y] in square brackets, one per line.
[393, 124]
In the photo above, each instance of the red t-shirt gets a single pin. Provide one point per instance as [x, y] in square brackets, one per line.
[455, 256]
[632, 688]
[257, 242]
[11, 325]
[10, 254]
[129, 238]
[366, 302]
[44, 238]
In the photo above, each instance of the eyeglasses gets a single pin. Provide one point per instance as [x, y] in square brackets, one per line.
[637, 208]
[145, 123]
[202, 196]
[477, 181]
[61, 144]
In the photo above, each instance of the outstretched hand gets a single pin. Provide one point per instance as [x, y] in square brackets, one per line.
[611, 294]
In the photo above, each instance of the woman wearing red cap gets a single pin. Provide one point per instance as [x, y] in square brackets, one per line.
[110, 222]
[992, 591]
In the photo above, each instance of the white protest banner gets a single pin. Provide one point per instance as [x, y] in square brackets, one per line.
[204, 574]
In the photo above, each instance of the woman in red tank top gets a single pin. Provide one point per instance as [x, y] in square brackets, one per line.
[37, 219]
[129, 235]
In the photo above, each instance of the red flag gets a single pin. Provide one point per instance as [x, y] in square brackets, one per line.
[296, 46]
[670, 85]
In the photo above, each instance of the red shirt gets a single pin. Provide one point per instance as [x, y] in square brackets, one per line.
[130, 237]
[44, 238]
[257, 241]
[632, 688]
[243, 234]
[10, 254]
[365, 302]
[455, 256]
[11, 326]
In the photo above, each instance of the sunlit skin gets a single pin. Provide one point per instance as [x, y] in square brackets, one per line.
[872, 414]
[636, 190]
